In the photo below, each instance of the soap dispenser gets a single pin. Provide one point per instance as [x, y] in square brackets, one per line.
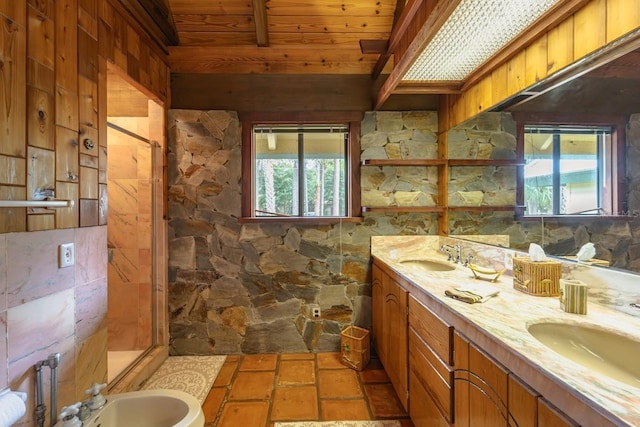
[97, 400]
[69, 416]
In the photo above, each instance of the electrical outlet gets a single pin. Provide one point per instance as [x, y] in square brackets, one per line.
[314, 311]
[66, 255]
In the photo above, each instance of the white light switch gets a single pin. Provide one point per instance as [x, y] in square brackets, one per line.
[66, 255]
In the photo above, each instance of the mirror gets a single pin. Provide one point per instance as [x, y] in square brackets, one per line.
[611, 89]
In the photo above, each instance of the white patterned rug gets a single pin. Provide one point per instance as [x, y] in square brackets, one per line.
[385, 423]
[192, 374]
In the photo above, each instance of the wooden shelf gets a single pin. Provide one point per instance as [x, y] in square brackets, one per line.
[485, 162]
[404, 162]
[404, 209]
[485, 208]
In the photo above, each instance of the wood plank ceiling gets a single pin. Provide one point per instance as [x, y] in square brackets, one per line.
[279, 36]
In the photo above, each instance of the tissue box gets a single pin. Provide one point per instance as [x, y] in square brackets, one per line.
[573, 296]
[540, 278]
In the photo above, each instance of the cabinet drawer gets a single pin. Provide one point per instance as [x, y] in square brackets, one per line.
[422, 408]
[432, 330]
[435, 376]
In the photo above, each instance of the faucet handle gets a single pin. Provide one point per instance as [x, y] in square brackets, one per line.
[97, 400]
[467, 260]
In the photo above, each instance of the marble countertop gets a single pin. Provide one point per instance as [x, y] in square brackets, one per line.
[499, 326]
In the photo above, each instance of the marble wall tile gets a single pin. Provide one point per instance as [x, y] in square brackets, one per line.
[122, 227]
[91, 254]
[32, 265]
[123, 162]
[35, 330]
[91, 365]
[144, 156]
[4, 380]
[123, 196]
[3, 272]
[123, 316]
[91, 308]
[123, 266]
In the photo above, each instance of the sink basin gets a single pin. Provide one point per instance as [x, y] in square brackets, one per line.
[429, 264]
[597, 349]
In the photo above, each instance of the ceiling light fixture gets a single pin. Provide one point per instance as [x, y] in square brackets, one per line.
[475, 31]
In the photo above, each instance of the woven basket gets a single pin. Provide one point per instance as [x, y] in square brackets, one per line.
[354, 342]
[540, 278]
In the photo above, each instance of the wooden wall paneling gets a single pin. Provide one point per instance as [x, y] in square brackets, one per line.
[15, 10]
[589, 28]
[516, 74]
[67, 217]
[89, 213]
[560, 46]
[88, 141]
[88, 183]
[40, 77]
[143, 66]
[472, 96]
[66, 62]
[67, 157]
[12, 219]
[88, 16]
[106, 47]
[39, 222]
[499, 82]
[485, 93]
[133, 53]
[622, 17]
[44, 7]
[102, 121]
[88, 161]
[41, 173]
[119, 27]
[13, 170]
[41, 39]
[66, 108]
[88, 102]
[87, 56]
[40, 118]
[535, 61]
[13, 52]
[103, 204]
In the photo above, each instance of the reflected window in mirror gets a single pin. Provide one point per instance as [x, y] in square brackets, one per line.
[572, 169]
[567, 170]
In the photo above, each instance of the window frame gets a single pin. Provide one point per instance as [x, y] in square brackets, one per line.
[352, 176]
[618, 152]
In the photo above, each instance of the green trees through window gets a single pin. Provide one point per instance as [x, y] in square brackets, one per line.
[300, 170]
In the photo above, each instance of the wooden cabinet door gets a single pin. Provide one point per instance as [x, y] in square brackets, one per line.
[550, 416]
[377, 307]
[523, 404]
[395, 318]
[480, 388]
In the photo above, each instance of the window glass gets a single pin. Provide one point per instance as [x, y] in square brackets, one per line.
[300, 170]
[567, 170]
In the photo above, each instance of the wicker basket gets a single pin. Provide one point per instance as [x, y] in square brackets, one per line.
[354, 342]
[540, 278]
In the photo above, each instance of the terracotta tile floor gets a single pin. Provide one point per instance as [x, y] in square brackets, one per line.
[258, 390]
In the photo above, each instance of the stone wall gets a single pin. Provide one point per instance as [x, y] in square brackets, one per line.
[247, 288]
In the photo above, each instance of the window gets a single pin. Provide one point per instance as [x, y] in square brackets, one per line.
[302, 168]
[572, 169]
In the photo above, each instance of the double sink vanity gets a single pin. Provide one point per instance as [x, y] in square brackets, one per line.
[513, 360]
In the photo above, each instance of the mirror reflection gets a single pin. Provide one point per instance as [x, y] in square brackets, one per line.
[578, 184]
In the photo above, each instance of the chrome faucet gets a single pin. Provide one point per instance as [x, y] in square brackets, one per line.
[448, 249]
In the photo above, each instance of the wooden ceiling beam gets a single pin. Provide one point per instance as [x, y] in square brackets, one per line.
[155, 17]
[431, 88]
[400, 26]
[429, 29]
[260, 19]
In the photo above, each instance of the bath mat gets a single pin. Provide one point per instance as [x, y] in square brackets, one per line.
[192, 374]
[385, 423]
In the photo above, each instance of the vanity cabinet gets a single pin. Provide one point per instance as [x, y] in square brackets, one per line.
[390, 332]
[487, 394]
[430, 367]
